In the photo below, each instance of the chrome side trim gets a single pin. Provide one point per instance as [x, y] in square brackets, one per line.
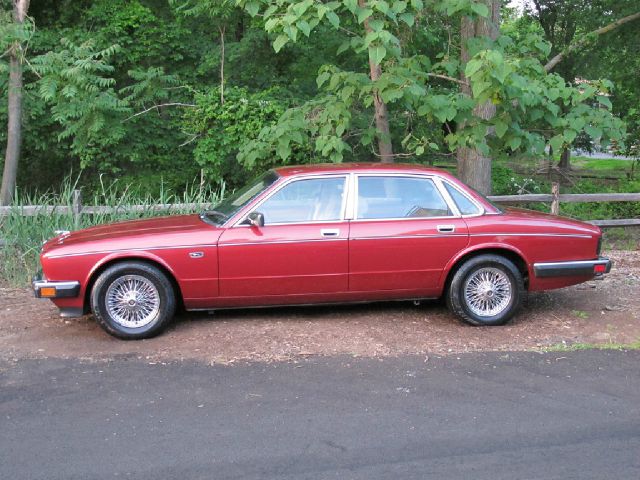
[277, 242]
[573, 235]
[426, 235]
[311, 304]
[98, 252]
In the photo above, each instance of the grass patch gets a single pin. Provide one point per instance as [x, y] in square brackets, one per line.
[24, 235]
[573, 347]
[613, 164]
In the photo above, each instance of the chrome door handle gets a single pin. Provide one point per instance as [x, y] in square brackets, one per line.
[446, 228]
[329, 232]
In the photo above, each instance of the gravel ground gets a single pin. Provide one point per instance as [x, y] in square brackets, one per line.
[600, 311]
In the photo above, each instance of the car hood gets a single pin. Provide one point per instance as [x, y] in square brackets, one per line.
[535, 218]
[135, 234]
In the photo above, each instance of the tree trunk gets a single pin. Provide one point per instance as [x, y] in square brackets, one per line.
[474, 168]
[222, 31]
[14, 129]
[565, 158]
[381, 116]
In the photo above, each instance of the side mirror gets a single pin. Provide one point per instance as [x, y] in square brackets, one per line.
[255, 219]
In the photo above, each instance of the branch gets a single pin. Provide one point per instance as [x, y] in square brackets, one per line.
[445, 77]
[612, 26]
[156, 107]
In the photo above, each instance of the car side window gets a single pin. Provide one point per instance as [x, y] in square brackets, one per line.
[307, 200]
[399, 197]
[466, 206]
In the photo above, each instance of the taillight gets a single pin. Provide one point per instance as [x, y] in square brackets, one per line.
[600, 268]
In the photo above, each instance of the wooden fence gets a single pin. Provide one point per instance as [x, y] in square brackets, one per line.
[554, 199]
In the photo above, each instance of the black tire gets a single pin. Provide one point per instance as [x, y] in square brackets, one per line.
[163, 300]
[463, 308]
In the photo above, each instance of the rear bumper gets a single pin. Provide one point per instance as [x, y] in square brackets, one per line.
[43, 288]
[578, 268]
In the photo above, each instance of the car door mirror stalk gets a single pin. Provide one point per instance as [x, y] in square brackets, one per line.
[255, 219]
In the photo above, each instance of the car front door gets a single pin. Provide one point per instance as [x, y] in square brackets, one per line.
[403, 235]
[302, 248]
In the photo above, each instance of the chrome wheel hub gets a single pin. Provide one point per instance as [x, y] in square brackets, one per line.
[132, 301]
[488, 292]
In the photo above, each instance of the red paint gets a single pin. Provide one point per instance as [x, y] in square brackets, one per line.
[295, 263]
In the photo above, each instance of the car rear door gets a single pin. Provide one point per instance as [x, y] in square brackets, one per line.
[301, 250]
[403, 234]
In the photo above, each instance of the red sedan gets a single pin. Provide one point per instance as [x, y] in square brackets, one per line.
[320, 234]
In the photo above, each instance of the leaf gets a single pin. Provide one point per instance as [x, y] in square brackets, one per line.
[280, 42]
[479, 87]
[344, 46]
[252, 8]
[322, 78]
[556, 142]
[604, 100]
[377, 54]
[501, 128]
[472, 67]
[382, 6]
[376, 24]
[363, 14]
[514, 143]
[333, 19]
[570, 135]
[408, 18]
[593, 131]
[419, 150]
[480, 8]
[417, 4]
[304, 27]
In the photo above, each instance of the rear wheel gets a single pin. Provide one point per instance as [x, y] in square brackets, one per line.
[133, 300]
[486, 290]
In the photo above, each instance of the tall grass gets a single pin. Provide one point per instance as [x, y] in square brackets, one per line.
[24, 235]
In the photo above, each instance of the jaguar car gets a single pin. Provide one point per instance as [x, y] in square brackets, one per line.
[320, 234]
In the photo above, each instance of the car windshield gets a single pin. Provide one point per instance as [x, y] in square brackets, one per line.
[232, 204]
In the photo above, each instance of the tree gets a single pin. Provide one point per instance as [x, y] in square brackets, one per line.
[569, 26]
[474, 167]
[14, 127]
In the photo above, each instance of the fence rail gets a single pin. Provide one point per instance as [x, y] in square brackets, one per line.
[554, 199]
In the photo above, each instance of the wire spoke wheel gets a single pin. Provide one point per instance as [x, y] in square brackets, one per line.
[488, 292]
[132, 301]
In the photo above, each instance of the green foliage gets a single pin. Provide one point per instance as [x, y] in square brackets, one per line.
[220, 129]
[317, 86]
[603, 210]
[534, 110]
[24, 235]
[75, 83]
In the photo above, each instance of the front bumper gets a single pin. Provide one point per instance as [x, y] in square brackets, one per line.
[43, 288]
[578, 268]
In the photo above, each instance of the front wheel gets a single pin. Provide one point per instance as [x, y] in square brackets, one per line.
[486, 290]
[133, 300]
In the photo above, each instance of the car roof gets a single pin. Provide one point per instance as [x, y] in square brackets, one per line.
[357, 167]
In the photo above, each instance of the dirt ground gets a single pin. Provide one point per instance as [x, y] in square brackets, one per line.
[599, 311]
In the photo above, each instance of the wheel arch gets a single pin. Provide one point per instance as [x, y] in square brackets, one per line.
[509, 252]
[109, 261]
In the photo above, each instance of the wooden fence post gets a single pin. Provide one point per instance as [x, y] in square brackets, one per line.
[76, 207]
[555, 198]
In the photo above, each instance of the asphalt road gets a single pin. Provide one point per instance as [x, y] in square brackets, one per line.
[481, 416]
